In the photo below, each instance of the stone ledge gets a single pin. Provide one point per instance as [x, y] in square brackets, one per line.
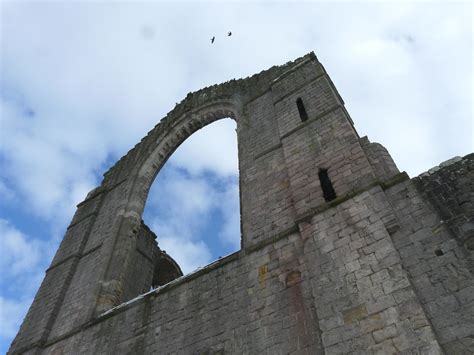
[310, 120]
[82, 219]
[77, 255]
[403, 176]
[266, 151]
[181, 280]
[323, 75]
[310, 56]
[272, 239]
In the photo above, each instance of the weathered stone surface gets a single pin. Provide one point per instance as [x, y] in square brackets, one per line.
[354, 314]
[385, 267]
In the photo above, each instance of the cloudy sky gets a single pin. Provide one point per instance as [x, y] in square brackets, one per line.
[82, 82]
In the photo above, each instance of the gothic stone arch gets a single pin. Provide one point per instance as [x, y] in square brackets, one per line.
[314, 274]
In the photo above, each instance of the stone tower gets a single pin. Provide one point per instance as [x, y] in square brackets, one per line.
[340, 253]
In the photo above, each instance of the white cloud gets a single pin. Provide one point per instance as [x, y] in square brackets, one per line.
[392, 71]
[211, 149]
[23, 259]
[21, 271]
[6, 193]
[12, 312]
[177, 194]
[19, 255]
[179, 208]
[229, 204]
[41, 167]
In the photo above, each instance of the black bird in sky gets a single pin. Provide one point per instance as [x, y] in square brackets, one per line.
[212, 39]
[229, 34]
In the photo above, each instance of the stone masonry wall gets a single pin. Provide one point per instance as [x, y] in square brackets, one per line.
[338, 285]
[439, 267]
[326, 140]
[450, 189]
[82, 288]
[364, 300]
[263, 173]
[380, 159]
[140, 275]
[242, 304]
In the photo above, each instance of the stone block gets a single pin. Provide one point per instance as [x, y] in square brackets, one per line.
[331, 337]
[380, 304]
[354, 314]
[385, 333]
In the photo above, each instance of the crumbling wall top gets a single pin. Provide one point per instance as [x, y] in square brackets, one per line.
[242, 90]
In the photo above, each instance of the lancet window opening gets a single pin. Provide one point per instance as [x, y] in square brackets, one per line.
[328, 190]
[301, 109]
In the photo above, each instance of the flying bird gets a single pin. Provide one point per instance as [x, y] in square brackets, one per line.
[229, 34]
[212, 39]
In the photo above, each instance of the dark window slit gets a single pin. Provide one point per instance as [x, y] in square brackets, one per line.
[328, 190]
[301, 109]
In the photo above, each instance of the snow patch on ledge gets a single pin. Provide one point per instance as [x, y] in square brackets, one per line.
[180, 279]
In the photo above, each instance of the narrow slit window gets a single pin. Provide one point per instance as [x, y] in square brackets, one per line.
[328, 190]
[301, 109]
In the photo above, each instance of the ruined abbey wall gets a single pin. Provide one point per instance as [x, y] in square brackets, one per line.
[341, 253]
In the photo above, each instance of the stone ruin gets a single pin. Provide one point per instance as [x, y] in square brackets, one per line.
[341, 252]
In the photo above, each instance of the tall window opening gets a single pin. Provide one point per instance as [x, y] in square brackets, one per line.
[301, 109]
[326, 184]
[193, 205]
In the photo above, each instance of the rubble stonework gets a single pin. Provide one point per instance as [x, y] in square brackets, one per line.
[382, 266]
